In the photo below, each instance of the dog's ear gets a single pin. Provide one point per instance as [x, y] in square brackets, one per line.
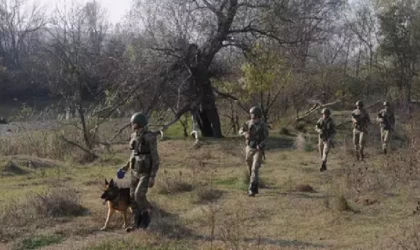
[106, 182]
[111, 183]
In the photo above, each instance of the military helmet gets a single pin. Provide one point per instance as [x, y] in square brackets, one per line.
[326, 111]
[140, 119]
[256, 111]
[387, 104]
[359, 103]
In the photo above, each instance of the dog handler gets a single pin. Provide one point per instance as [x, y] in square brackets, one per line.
[144, 164]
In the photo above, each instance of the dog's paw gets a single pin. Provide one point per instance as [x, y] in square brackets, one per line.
[124, 226]
[103, 228]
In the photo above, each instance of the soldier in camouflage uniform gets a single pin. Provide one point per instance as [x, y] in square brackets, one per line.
[144, 164]
[255, 132]
[326, 130]
[361, 119]
[386, 120]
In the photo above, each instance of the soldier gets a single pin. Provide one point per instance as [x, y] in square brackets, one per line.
[255, 132]
[144, 164]
[386, 120]
[326, 130]
[360, 119]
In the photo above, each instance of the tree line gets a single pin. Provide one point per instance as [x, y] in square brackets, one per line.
[211, 58]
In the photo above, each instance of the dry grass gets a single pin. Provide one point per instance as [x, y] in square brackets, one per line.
[170, 183]
[206, 194]
[198, 204]
[38, 210]
[303, 143]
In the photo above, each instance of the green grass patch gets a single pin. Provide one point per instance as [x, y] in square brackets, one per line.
[177, 130]
[39, 241]
[232, 183]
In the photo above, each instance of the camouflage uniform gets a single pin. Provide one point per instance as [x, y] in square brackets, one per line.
[258, 134]
[386, 119]
[326, 130]
[361, 119]
[144, 164]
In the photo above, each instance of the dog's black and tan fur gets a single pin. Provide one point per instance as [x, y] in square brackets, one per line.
[118, 200]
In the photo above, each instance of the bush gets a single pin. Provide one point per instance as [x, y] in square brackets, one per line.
[338, 203]
[57, 203]
[173, 184]
[37, 210]
[302, 144]
[206, 194]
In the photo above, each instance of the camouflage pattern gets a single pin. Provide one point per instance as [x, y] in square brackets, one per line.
[361, 120]
[143, 163]
[255, 144]
[326, 130]
[386, 120]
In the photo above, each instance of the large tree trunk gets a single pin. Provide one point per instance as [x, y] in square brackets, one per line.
[206, 115]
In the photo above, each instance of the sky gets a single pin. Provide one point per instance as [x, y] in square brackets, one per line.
[116, 9]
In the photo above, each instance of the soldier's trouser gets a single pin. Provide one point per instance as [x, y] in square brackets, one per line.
[138, 190]
[385, 136]
[359, 141]
[324, 148]
[253, 160]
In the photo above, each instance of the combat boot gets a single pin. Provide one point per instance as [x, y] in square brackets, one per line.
[385, 151]
[145, 220]
[323, 166]
[138, 221]
[253, 189]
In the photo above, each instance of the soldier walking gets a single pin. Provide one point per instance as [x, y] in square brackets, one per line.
[255, 132]
[360, 119]
[144, 164]
[386, 120]
[325, 127]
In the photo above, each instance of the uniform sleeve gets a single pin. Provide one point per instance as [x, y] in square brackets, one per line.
[317, 127]
[353, 113]
[378, 116]
[154, 154]
[126, 166]
[131, 146]
[243, 129]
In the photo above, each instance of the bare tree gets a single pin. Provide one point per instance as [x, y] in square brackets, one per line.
[74, 63]
[192, 33]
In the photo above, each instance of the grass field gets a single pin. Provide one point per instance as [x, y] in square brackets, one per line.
[201, 203]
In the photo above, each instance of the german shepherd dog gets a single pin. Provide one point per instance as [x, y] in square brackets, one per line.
[118, 199]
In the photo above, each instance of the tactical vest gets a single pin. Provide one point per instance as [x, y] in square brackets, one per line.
[326, 126]
[386, 116]
[140, 162]
[256, 134]
[361, 119]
